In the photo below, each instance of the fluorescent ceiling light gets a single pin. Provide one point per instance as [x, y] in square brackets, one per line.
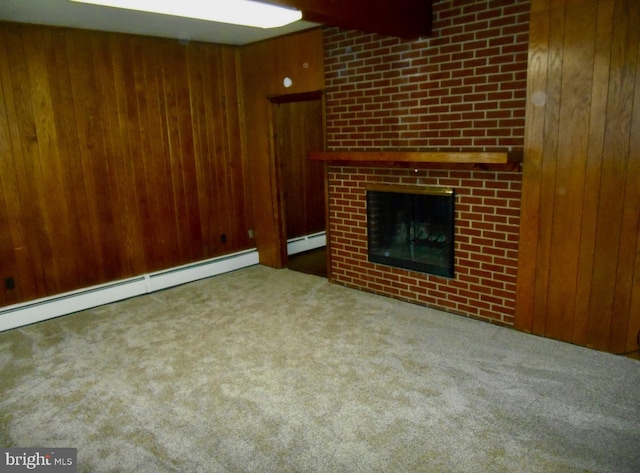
[237, 12]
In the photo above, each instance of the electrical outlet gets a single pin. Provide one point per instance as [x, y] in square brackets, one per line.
[9, 283]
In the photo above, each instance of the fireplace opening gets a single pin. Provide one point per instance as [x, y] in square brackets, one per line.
[412, 228]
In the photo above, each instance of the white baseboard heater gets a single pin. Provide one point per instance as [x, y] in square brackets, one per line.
[69, 302]
[306, 243]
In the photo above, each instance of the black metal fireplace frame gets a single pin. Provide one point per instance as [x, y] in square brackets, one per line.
[448, 194]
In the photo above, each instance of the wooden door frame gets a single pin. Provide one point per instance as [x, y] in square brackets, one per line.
[274, 163]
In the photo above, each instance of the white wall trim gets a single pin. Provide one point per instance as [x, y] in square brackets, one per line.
[306, 243]
[46, 308]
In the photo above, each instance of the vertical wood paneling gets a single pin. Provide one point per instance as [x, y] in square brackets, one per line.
[190, 217]
[70, 161]
[47, 172]
[13, 238]
[21, 125]
[538, 66]
[618, 216]
[552, 101]
[175, 207]
[238, 182]
[594, 153]
[572, 124]
[314, 197]
[129, 194]
[93, 202]
[108, 147]
[609, 248]
[219, 103]
[632, 214]
[299, 131]
[200, 103]
[578, 267]
[6, 242]
[126, 223]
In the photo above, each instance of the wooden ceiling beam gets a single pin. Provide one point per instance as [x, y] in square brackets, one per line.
[408, 19]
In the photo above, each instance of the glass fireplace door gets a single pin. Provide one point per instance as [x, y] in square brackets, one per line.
[412, 228]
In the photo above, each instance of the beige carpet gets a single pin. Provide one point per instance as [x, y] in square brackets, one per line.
[265, 370]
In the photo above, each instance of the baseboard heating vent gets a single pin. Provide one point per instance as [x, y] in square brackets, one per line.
[64, 304]
[200, 270]
[306, 243]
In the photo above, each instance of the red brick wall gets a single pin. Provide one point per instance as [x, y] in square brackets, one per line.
[462, 89]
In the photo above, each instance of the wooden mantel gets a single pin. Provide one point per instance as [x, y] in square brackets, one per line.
[507, 160]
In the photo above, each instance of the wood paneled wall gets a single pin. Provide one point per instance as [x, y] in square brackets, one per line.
[300, 131]
[264, 66]
[119, 155]
[579, 271]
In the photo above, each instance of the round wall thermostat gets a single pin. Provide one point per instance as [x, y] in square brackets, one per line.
[287, 82]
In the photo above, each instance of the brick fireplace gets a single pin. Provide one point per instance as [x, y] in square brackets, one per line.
[486, 240]
[463, 89]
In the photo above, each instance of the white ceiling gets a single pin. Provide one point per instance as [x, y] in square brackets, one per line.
[93, 17]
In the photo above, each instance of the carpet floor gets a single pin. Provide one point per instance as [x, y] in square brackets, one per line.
[265, 370]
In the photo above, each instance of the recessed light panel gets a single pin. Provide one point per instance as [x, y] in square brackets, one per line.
[236, 12]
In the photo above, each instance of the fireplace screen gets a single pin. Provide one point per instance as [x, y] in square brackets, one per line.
[411, 228]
